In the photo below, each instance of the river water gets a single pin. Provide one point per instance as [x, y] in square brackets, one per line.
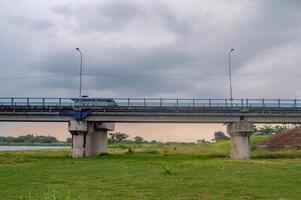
[20, 148]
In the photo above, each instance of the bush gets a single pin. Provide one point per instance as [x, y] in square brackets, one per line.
[167, 171]
[117, 138]
[130, 150]
[219, 136]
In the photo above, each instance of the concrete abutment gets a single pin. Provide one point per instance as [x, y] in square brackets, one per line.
[89, 138]
[240, 133]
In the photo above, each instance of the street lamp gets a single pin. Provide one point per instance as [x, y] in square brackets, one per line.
[80, 74]
[230, 75]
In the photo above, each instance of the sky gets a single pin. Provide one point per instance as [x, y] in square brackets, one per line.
[149, 48]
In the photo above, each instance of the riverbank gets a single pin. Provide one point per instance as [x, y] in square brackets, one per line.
[149, 171]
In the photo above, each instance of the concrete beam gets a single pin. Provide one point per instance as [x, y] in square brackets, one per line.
[240, 139]
[162, 118]
[105, 126]
[76, 127]
[147, 117]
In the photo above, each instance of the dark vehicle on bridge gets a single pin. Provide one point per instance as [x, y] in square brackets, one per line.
[102, 102]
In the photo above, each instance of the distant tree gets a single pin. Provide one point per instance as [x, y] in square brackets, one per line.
[128, 141]
[266, 130]
[29, 139]
[46, 139]
[219, 136]
[2, 139]
[269, 129]
[69, 140]
[280, 128]
[138, 140]
[26, 139]
[203, 141]
[10, 139]
[117, 138]
[154, 142]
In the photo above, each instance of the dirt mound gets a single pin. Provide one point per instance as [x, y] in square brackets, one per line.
[289, 139]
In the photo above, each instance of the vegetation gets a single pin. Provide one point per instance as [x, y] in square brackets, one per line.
[117, 138]
[69, 140]
[152, 171]
[122, 138]
[203, 141]
[269, 129]
[30, 140]
[138, 140]
[219, 136]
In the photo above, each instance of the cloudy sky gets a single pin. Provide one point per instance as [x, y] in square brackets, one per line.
[150, 48]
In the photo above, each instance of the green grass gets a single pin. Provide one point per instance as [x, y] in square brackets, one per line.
[199, 172]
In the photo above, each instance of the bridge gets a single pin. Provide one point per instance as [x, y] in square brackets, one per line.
[91, 118]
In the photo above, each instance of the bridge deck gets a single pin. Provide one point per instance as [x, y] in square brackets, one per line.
[151, 110]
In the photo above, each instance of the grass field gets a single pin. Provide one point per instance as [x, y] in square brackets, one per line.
[151, 172]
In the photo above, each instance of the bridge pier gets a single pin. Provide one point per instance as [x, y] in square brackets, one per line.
[240, 133]
[96, 139]
[89, 138]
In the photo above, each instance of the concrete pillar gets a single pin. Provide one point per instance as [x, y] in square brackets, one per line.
[240, 133]
[78, 149]
[96, 139]
[78, 129]
[89, 138]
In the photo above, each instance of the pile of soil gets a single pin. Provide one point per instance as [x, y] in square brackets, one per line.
[289, 139]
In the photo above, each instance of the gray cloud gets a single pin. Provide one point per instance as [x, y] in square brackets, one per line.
[31, 23]
[132, 70]
[107, 16]
[136, 48]
[172, 21]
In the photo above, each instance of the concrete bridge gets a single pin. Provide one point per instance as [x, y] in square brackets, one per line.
[91, 118]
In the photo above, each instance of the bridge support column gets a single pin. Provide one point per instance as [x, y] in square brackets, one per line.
[79, 130]
[89, 138]
[96, 139]
[240, 133]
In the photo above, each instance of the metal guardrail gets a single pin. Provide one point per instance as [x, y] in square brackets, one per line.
[150, 102]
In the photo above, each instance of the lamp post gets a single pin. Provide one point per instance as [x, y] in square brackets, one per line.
[230, 75]
[80, 74]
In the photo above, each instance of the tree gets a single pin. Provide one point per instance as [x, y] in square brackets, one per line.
[29, 139]
[2, 139]
[280, 128]
[138, 140]
[219, 136]
[268, 129]
[46, 139]
[69, 140]
[203, 141]
[117, 138]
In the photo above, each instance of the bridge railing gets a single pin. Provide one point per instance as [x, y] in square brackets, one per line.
[280, 103]
[36, 102]
[151, 102]
[160, 102]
